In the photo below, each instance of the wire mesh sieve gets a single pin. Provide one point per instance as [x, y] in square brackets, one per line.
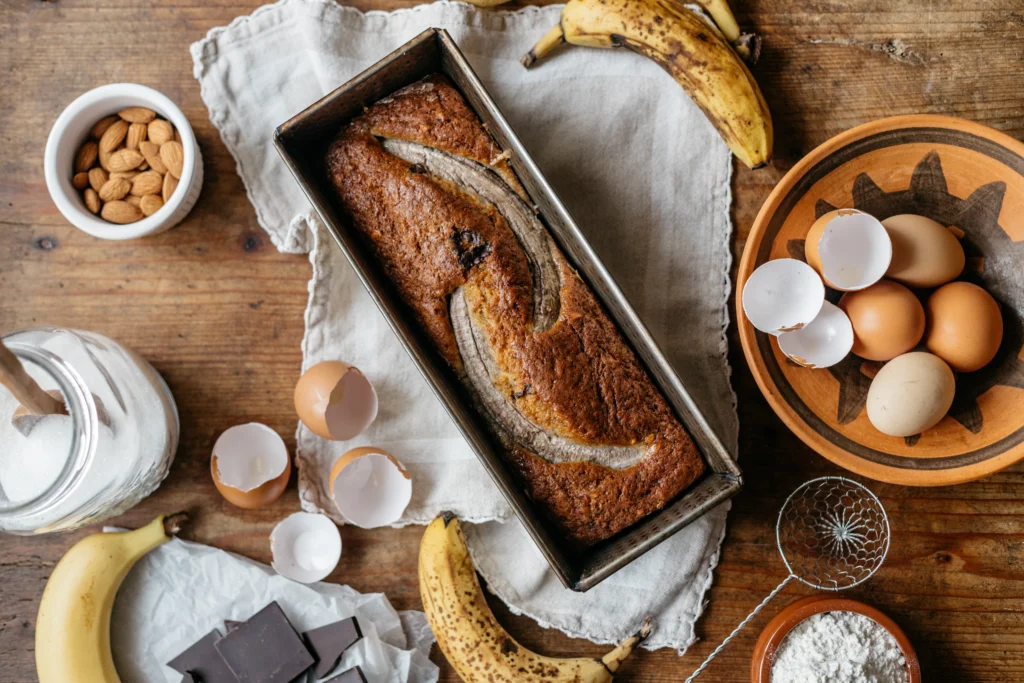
[832, 533]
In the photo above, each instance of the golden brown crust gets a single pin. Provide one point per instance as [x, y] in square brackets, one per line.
[578, 379]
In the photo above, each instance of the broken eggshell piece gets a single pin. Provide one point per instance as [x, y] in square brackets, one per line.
[335, 400]
[370, 487]
[250, 465]
[854, 250]
[306, 547]
[782, 295]
[827, 340]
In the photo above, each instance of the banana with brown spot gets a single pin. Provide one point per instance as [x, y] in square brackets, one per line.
[696, 55]
[472, 640]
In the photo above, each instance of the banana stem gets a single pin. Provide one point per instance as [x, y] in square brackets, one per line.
[616, 657]
[172, 523]
[549, 42]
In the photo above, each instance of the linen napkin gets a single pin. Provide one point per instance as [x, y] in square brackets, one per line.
[647, 179]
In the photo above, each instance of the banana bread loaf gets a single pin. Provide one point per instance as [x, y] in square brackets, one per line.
[593, 440]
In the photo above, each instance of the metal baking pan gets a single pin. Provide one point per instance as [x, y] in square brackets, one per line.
[302, 142]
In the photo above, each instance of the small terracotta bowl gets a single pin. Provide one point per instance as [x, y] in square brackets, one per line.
[960, 174]
[794, 613]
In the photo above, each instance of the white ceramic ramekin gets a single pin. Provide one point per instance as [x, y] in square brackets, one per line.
[72, 129]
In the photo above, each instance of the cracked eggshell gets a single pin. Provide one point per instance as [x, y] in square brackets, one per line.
[335, 400]
[823, 343]
[855, 251]
[306, 547]
[782, 295]
[250, 465]
[370, 487]
[815, 233]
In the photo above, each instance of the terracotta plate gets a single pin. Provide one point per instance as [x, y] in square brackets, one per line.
[961, 174]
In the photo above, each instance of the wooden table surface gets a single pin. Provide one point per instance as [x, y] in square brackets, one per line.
[219, 313]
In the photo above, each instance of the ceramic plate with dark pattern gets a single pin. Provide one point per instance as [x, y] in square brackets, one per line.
[960, 174]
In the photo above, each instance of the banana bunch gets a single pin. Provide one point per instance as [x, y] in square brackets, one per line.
[476, 645]
[73, 626]
[699, 58]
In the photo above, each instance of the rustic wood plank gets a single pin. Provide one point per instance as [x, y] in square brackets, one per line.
[219, 313]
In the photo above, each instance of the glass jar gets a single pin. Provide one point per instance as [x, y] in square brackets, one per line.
[113, 448]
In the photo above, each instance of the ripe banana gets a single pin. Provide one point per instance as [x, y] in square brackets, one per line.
[693, 53]
[73, 626]
[476, 645]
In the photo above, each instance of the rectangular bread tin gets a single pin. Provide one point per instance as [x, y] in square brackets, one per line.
[302, 142]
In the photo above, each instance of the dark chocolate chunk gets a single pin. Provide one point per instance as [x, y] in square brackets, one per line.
[189, 678]
[353, 675]
[203, 662]
[329, 643]
[230, 626]
[265, 649]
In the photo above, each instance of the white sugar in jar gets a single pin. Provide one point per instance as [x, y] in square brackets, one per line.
[113, 448]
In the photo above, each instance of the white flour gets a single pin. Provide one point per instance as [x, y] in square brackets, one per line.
[839, 647]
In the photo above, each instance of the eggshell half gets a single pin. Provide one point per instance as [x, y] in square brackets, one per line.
[335, 400]
[370, 487]
[306, 547]
[782, 295]
[815, 233]
[855, 251]
[250, 465]
[821, 344]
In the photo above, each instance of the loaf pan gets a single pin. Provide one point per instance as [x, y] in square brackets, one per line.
[302, 142]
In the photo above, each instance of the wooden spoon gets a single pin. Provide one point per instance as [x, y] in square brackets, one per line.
[35, 403]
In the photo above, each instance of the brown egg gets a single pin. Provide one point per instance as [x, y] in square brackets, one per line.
[924, 252]
[335, 400]
[965, 326]
[888, 320]
[814, 236]
[255, 460]
[259, 497]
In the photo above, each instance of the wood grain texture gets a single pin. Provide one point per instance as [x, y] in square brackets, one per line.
[219, 313]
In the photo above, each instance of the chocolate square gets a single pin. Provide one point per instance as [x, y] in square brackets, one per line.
[353, 675]
[202, 661]
[329, 643]
[265, 649]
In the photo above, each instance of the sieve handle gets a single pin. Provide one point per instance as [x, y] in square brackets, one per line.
[739, 628]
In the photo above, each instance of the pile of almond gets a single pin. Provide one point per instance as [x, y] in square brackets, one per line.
[130, 165]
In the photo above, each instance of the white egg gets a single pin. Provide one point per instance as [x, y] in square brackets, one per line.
[910, 394]
[822, 343]
[855, 251]
[782, 295]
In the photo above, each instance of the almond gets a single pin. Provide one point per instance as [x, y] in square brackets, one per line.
[105, 159]
[97, 176]
[144, 166]
[101, 126]
[80, 181]
[113, 136]
[121, 212]
[173, 156]
[92, 200]
[134, 201]
[86, 156]
[177, 136]
[125, 160]
[137, 114]
[170, 185]
[149, 182]
[151, 150]
[161, 131]
[127, 175]
[136, 134]
[151, 203]
[113, 189]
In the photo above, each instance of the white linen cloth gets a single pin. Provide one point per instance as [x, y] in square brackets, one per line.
[647, 179]
[181, 591]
